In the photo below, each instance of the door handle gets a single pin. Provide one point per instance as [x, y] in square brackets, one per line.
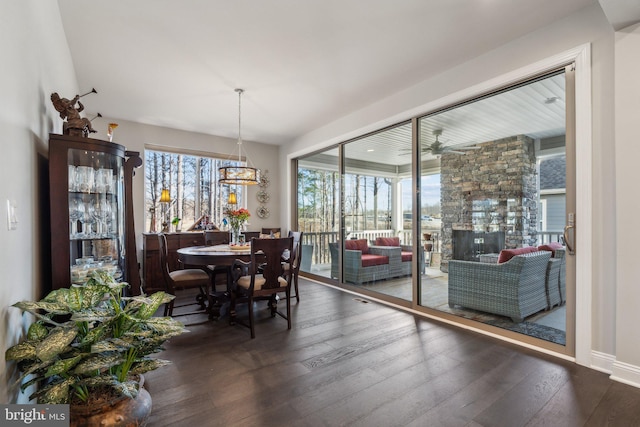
[566, 235]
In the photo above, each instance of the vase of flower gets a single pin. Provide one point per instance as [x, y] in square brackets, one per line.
[237, 219]
[235, 235]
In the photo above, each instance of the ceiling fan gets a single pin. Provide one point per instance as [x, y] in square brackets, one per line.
[437, 148]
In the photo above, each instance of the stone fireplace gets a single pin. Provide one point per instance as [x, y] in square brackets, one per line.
[491, 193]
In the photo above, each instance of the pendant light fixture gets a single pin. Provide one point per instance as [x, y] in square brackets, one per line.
[239, 175]
[165, 200]
[232, 200]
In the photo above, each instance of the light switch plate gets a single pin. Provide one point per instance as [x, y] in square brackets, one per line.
[12, 218]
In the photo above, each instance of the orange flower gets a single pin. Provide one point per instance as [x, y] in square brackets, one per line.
[237, 217]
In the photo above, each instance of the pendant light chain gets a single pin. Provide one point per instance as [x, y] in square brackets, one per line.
[240, 91]
[239, 175]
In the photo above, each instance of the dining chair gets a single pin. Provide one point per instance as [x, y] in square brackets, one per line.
[248, 235]
[250, 285]
[179, 280]
[213, 238]
[276, 231]
[296, 259]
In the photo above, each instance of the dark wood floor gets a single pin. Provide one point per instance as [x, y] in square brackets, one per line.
[347, 362]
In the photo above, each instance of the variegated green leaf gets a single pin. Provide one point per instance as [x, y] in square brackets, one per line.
[57, 342]
[50, 307]
[95, 334]
[128, 388]
[75, 298]
[62, 366]
[98, 362]
[37, 331]
[152, 304]
[112, 344]
[99, 314]
[94, 295]
[58, 295]
[21, 351]
[98, 381]
[148, 364]
[37, 369]
[56, 393]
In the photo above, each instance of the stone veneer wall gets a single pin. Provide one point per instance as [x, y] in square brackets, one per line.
[490, 189]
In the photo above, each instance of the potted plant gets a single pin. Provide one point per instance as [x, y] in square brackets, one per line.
[89, 347]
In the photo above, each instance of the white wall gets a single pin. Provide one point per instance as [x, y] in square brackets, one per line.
[587, 26]
[35, 62]
[627, 149]
[134, 136]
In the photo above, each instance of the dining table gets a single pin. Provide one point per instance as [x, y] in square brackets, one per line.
[219, 255]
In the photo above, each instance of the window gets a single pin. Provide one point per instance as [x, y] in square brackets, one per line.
[192, 181]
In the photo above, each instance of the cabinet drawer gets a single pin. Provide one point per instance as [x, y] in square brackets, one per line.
[191, 239]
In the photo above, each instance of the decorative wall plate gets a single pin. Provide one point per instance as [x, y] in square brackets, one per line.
[262, 196]
[264, 181]
[263, 212]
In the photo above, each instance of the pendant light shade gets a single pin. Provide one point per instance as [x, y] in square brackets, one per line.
[164, 196]
[232, 199]
[239, 175]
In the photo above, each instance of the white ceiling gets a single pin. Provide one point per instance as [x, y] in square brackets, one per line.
[302, 63]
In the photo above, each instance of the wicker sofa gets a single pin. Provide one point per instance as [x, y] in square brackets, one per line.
[364, 263]
[516, 288]
[406, 256]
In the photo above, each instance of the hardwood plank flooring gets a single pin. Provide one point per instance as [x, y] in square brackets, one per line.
[350, 363]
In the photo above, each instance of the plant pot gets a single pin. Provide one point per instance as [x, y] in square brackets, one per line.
[118, 412]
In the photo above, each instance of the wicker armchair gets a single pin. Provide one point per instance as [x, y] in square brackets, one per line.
[515, 289]
[356, 268]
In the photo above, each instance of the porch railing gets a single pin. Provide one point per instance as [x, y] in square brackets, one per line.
[545, 237]
[320, 241]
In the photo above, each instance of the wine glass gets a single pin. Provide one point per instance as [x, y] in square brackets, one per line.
[73, 178]
[76, 210]
[86, 178]
[96, 213]
[87, 219]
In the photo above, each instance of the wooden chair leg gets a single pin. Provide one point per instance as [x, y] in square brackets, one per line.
[295, 282]
[289, 307]
[232, 309]
[253, 334]
[171, 305]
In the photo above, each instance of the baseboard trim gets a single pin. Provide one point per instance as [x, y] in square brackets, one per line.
[602, 362]
[626, 374]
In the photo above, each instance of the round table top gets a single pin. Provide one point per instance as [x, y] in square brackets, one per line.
[206, 255]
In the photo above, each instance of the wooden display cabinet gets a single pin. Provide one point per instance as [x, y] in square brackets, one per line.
[90, 190]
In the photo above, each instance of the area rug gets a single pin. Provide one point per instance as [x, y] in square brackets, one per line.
[542, 332]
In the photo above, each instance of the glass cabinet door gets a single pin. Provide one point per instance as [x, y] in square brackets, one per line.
[91, 210]
[96, 213]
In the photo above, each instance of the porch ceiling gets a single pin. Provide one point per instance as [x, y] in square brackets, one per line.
[536, 110]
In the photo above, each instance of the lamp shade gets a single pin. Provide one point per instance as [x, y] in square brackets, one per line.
[232, 199]
[164, 196]
[240, 175]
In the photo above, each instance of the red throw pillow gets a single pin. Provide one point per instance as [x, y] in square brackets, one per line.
[507, 254]
[551, 247]
[357, 245]
[388, 241]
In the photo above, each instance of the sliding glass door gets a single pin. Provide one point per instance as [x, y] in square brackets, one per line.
[435, 229]
[378, 209]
